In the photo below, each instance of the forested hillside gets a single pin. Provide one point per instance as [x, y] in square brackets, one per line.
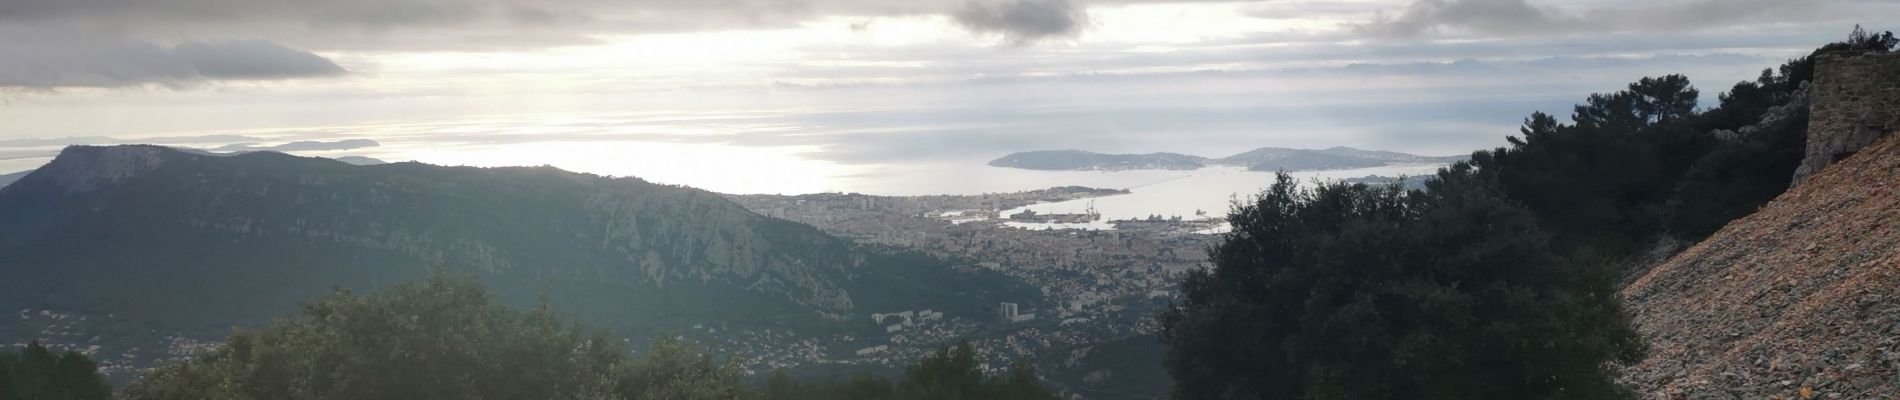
[1505, 270]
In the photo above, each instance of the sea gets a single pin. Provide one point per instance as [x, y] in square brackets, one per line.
[1191, 194]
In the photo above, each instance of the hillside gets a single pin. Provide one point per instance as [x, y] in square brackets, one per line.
[1261, 159]
[1799, 295]
[8, 179]
[173, 241]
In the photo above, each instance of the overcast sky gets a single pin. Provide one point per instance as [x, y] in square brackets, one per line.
[871, 81]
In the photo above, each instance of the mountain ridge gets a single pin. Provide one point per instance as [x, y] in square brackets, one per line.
[208, 242]
[8, 179]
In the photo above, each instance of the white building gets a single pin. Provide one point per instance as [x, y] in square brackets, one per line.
[873, 350]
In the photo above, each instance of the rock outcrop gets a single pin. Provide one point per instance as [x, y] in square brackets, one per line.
[85, 168]
[1803, 297]
[1857, 100]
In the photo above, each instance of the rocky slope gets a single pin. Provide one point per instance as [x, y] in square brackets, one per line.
[1799, 300]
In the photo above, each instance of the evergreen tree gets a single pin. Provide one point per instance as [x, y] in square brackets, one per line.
[38, 373]
[951, 373]
[1362, 292]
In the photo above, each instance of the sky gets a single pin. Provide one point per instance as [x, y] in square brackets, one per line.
[794, 95]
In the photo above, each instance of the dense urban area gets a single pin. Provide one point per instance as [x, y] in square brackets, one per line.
[1099, 285]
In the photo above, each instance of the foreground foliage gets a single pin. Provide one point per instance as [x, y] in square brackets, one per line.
[448, 338]
[444, 338]
[1349, 291]
[38, 373]
[948, 374]
[1647, 161]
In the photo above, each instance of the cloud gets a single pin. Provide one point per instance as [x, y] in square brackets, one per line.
[1492, 18]
[1023, 21]
[252, 59]
[42, 63]
[489, 24]
[1303, 9]
[1486, 17]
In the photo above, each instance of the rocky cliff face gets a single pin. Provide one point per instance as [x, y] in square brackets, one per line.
[86, 168]
[1800, 300]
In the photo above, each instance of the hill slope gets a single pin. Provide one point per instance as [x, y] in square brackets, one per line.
[198, 243]
[1801, 294]
[8, 179]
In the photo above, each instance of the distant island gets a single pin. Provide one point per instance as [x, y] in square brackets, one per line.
[1262, 159]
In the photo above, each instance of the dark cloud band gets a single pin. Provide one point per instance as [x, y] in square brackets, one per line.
[124, 63]
[1490, 18]
[1023, 21]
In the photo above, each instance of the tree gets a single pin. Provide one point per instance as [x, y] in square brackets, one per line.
[447, 338]
[444, 338]
[857, 387]
[1651, 100]
[1754, 164]
[950, 373]
[953, 373]
[1862, 40]
[1019, 384]
[1665, 99]
[1363, 292]
[671, 370]
[38, 373]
